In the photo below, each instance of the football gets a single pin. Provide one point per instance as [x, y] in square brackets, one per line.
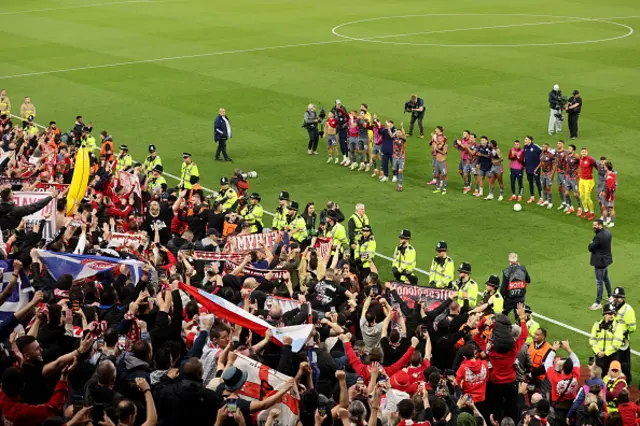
[517, 207]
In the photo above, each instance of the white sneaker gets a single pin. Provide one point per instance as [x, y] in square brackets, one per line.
[549, 206]
[479, 194]
[544, 204]
[563, 206]
[309, 152]
[595, 307]
[362, 166]
[336, 160]
[611, 224]
[564, 210]
[330, 160]
[384, 179]
[489, 197]
[394, 179]
[354, 166]
[347, 162]
[342, 162]
[500, 198]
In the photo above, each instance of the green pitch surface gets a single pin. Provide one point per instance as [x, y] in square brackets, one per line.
[157, 72]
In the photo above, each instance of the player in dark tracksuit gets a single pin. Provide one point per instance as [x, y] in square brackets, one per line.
[531, 160]
[342, 116]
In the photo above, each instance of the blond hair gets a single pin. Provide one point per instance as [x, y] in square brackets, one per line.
[591, 402]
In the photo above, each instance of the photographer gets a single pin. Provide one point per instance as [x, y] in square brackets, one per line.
[415, 106]
[311, 124]
[555, 110]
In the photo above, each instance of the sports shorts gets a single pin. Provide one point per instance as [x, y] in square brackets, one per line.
[570, 184]
[331, 140]
[363, 143]
[353, 143]
[376, 149]
[547, 180]
[473, 169]
[496, 170]
[561, 179]
[441, 168]
[483, 172]
[461, 165]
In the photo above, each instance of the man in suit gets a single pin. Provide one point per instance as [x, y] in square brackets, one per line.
[222, 132]
[601, 258]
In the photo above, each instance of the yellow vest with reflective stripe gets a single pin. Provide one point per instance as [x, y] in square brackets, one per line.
[441, 275]
[338, 237]
[471, 288]
[253, 214]
[229, 196]
[279, 219]
[405, 262]
[124, 162]
[149, 164]
[497, 303]
[609, 340]
[626, 318]
[359, 222]
[155, 181]
[186, 172]
[532, 326]
[612, 403]
[299, 228]
[366, 251]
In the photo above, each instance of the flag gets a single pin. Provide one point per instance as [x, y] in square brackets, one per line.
[235, 315]
[81, 266]
[21, 295]
[130, 183]
[263, 382]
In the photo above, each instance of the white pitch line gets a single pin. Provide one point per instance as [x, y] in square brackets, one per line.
[422, 271]
[81, 6]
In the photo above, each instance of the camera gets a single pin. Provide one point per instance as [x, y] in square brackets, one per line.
[409, 106]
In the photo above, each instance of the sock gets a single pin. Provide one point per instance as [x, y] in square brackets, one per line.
[613, 217]
[491, 190]
[446, 183]
[562, 198]
[375, 163]
[400, 176]
[550, 195]
[579, 201]
[501, 191]
[567, 199]
[361, 158]
[521, 191]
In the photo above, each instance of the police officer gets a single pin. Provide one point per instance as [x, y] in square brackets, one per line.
[626, 318]
[466, 286]
[365, 252]
[491, 299]
[607, 337]
[124, 158]
[514, 284]
[189, 168]
[253, 212]
[152, 160]
[532, 325]
[227, 196]
[89, 141]
[404, 259]
[441, 273]
[156, 180]
[337, 233]
[355, 224]
[281, 211]
[296, 226]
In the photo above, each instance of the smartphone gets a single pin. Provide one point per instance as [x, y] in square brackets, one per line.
[333, 309]
[78, 403]
[232, 405]
[591, 360]
[322, 411]
[97, 413]
[396, 306]
[162, 274]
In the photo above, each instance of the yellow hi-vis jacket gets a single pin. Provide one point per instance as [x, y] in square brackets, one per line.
[608, 340]
[404, 260]
[441, 275]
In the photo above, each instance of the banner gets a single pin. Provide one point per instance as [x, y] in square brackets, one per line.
[323, 247]
[130, 183]
[40, 187]
[285, 303]
[263, 382]
[81, 266]
[21, 295]
[27, 198]
[431, 296]
[118, 239]
[212, 256]
[226, 310]
[242, 243]
[276, 274]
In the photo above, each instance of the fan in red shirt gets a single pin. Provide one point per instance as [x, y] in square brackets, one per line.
[586, 185]
[563, 378]
[472, 376]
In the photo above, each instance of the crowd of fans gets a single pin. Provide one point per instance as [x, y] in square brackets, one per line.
[118, 349]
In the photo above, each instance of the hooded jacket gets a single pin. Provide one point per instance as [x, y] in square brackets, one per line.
[20, 413]
[472, 377]
[10, 214]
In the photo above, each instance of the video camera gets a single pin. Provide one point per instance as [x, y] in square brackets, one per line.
[409, 106]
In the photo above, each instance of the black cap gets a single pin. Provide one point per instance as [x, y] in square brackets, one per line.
[124, 147]
[152, 148]
[493, 281]
[214, 231]
[619, 292]
[465, 267]
[284, 195]
[576, 92]
[158, 168]
[224, 180]
[366, 228]
[527, 309]
[405, 233]
[255, 196]
[333, 215]
[293, 205]
[186, 155]
[609, 308]
[441, 246]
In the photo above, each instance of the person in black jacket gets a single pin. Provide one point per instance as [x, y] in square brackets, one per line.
[10, 214]
[601, 258]
[555, 110]
[515, 279]
[573, 111]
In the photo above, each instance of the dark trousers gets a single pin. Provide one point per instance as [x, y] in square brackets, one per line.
[625, 361]
[386, 159]
[511, 305]
[222, 148]
[531, 178]
[413, 121]
[573, 124]
[605, 361]
[602, 280]
[342, 137]
[314, 137]
[516, 174]
[503, 400]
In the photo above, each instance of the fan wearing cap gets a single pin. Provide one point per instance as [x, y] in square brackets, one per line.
[626, 318]
[467, 288]
[253, 212]
[156, 180]
[365, 251]
[337, 233]
[295, 225]
[615, 381]
[152, 160]
[441, 273]
[404, 259]
[492, 299]
[124, 158]
[226, 196]
[281, 211]
[189, 168]
[606, 338]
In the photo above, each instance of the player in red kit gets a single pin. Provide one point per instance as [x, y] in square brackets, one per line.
[439, 130]
[611, 184]
[547, 169]
[587, 164]
[561, 167]
[571, 180]
[461, 145]
[331, 133]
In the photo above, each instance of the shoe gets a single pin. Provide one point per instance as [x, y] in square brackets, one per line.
[444, 192]
[512, 198]
[336, 160]
[541, 202]
[309, 152]
[354, 166]
[549, 206]
[550, 133]
[611, 224]
[437, 190]
[375, 173]
[218, 159]
[347, 162]
[315, 152]
[384, 179]
[570, 210]
[362, 166]
[399, 188]
[562, 206]
[475, 192]
[579, 212]
[595, 307]
[394, 179]
[466, 189]
[480, 194]
[586, 214]
[431, 182]
[489, 197]
[329, 160]
[500, 198]
[531, 200]
[228, 159]
[519, 198]
[421, 136]
[573, 137]
[366, 169]
[591, 217]
[342, 162]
